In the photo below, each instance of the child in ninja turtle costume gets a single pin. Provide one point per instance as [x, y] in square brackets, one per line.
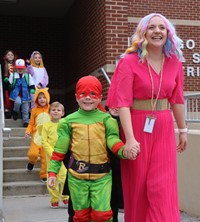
[87, 133]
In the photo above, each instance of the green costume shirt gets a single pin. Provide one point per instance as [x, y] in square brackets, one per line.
[87, 135]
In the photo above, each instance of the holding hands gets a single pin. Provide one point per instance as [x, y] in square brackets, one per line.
[131, 149]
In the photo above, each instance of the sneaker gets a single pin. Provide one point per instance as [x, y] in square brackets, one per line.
[44, 180]
[54, 205]
[65, 202]
[15, 115]
[29, 166]
[25, 124]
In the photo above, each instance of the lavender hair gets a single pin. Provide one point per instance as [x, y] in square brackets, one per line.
[139, 41]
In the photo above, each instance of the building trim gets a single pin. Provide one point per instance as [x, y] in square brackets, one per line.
[174, 21]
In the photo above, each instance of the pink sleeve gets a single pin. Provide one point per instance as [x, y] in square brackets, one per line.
[30, 70]
[178, 93]
[120, 93]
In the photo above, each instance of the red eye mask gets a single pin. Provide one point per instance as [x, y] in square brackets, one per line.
[88, 86]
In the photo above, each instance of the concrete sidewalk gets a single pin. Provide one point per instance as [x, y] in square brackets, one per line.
[37, 209]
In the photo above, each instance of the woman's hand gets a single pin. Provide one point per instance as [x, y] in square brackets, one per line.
[178, 111]
[182, 142]
[131, 149]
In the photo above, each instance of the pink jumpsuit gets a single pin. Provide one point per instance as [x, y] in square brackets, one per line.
[149, 182]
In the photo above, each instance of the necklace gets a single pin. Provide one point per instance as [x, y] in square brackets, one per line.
[153, 103]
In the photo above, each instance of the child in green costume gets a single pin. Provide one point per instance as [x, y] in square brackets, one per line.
[87, 133]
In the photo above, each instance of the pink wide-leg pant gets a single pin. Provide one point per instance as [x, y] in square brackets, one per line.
[150, 181]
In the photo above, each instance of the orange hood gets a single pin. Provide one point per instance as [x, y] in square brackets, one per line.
[46, 93]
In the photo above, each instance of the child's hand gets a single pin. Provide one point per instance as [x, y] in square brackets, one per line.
[39, 86]
[114, 112]
[128, 154]
[28, 62]
[27, 135]
[52, 182]
[131, 149]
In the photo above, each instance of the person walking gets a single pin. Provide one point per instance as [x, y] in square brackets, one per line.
[20, 85]
[39, 116]
[87, 133]
[49, 138]
[35, 66]
[147, 87]
[8, 68]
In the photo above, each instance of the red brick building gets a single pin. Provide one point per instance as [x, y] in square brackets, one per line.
[97, 32]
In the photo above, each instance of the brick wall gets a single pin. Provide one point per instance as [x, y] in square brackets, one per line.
[97, 32]
[192, 83]
[100, 30]
[86, 49]
[176, 9]
[116, 28]
[27, 34]
[173, 10]
[86, 46]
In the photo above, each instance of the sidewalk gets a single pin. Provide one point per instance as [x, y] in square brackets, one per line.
[37, 209]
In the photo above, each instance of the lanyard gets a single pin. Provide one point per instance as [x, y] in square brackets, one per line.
[153, 104]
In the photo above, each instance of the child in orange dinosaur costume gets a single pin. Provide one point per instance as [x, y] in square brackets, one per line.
[39, 116]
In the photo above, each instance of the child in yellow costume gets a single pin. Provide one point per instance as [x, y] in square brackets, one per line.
[49, 138]
[39, 116]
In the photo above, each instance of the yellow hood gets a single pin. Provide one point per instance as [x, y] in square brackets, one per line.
[33, 62]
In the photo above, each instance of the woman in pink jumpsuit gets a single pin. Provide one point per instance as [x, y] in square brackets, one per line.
[148, 78]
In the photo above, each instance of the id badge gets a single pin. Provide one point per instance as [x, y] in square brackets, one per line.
[149, 124]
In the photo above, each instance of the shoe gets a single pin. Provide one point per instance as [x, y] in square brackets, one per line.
[65, 202]
[54, 205]
[29, 166]
[44, 180]
[15, 115]
[25, 124]
[8, 115]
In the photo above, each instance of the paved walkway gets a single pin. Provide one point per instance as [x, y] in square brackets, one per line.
[36, 209]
